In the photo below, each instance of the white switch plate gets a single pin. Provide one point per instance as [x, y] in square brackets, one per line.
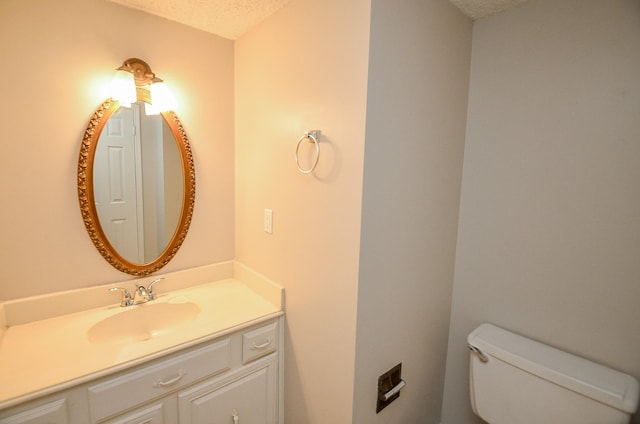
[268, 221]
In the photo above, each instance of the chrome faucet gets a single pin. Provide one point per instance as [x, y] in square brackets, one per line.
[140, 295]
[127, 299]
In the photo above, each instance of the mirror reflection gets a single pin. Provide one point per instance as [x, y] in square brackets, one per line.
[138, 183]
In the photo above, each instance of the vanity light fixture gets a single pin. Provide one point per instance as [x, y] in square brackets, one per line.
[134, 80]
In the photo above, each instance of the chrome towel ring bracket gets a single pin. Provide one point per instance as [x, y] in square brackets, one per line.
[313, 136]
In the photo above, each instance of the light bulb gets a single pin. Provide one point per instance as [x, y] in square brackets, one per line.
[123, 88]
[161, 98]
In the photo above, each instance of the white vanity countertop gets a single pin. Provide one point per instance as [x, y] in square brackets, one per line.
[43, 356]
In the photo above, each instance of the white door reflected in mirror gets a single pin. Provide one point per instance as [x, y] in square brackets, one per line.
[138, 183]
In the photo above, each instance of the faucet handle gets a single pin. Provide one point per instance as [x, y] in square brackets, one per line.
[127, 300]
[141, 289]
[150, 288]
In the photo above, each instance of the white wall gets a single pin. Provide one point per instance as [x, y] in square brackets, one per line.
[305, 68]
[58, 58]
[416, 120]
[549, 234]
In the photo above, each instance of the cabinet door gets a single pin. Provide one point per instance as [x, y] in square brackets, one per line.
[153, 414]
[247, 397]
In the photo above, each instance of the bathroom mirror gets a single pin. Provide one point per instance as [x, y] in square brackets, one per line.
[136, 186]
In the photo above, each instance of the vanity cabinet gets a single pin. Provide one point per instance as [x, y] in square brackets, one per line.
[235, 378]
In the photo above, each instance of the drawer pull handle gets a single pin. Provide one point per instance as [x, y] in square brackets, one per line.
[263, 345]
[171, 381]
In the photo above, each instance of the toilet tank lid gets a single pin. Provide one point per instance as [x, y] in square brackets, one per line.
[606, 385]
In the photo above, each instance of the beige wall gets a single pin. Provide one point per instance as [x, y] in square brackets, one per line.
[305, 68]
[416, 118]
[549, 235]
[57, 59]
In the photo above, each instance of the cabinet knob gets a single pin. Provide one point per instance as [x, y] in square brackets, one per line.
[235, 417]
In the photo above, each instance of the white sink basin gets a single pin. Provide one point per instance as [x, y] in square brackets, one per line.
[143, 322]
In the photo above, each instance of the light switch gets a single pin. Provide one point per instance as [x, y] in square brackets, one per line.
[268, 221]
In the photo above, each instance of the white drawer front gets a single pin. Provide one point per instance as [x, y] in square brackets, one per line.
[259, 342]
[134, 388]
[53, 412]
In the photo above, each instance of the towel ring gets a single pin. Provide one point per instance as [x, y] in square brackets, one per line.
[313, 137]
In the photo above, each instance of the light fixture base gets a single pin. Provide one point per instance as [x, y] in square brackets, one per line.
[142, 73]
[148, 87]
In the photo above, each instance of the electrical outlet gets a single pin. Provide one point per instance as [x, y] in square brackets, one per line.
[268, 221]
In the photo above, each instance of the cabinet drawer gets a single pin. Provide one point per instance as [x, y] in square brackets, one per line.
[53, 412]
[259, 342]
[134, 388]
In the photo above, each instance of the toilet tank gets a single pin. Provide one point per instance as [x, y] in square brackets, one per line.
[527, 382]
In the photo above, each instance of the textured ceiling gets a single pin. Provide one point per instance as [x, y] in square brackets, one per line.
[232, 18]
[476, 9]
[226, 18]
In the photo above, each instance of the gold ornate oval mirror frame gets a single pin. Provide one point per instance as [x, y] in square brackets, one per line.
[86, 194]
